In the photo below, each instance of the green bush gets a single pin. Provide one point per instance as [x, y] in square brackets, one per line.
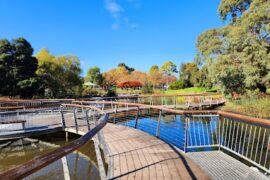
[179, 84]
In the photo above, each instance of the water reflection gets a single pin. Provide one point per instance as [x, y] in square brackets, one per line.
[82, 163]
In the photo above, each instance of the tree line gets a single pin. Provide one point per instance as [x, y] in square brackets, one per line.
[43, 75]
[237, 56]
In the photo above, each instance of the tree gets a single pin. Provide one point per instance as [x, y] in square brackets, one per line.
[139, 76]
[130, 69]
[155, 76]
[18, 67]
[116, 75]
[168, 68]
[24, 68]
[233, 8]
[60, 75]
[94, 75]
[189, 74]
[238, 55]
[6, 59]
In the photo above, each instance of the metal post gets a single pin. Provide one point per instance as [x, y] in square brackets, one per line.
[137, 116]
[219, 132]
[82, 107]
[174, 99]
[115, 111]
[158, 125]
[186, 134]
[75, 119]
[62, 117]
[65, 168]
[87, 119]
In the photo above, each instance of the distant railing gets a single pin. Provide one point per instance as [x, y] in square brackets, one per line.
[33, 119]
[245, 137]
[185, 101]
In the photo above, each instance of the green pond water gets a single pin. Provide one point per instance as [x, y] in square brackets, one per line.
[81, 163]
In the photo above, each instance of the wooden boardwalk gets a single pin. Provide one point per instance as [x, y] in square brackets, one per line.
[134, 154]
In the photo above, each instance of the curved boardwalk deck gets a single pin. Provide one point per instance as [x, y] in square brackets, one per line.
[136, 155]
[133, 154]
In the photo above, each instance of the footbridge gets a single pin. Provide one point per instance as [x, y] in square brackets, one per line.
[145, 141]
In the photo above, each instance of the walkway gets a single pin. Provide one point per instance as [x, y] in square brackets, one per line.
[134, 154]
[221, 166]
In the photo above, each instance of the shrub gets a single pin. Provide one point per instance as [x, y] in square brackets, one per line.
[179, 84]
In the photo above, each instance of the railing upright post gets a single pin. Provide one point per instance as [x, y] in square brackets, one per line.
[219, 132]
[62, 117]
[103, 106]
[158, 125]
[186, 134]
[174, 99]
[137, 116]
[115, 111]
[75, 119]
[65, 168]
[111, 104]
[82, 107]
[87, 119]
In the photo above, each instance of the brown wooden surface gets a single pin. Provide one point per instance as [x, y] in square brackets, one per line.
[134, 154]
[137, 155]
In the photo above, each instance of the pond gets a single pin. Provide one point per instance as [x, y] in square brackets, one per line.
[81, 163]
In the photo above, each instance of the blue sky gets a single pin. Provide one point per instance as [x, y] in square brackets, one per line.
[104, 33]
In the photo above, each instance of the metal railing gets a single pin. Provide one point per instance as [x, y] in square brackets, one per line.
[87, 119]
[31, 120]
[245, 137]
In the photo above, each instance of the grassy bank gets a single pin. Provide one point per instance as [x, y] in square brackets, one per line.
[255, 107]
[190, 90]
[159, 91]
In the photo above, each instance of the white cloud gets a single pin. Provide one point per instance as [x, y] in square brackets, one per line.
[114, 8]
[117, 12]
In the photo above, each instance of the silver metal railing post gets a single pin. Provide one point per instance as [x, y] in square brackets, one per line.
[137, 117]
[62, 117]
[75, 118]
[219, 132]
[158, 125]
[186, 134]
[97, 141]
[87, 119]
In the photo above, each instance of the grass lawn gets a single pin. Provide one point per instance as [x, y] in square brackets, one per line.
[190, 90]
